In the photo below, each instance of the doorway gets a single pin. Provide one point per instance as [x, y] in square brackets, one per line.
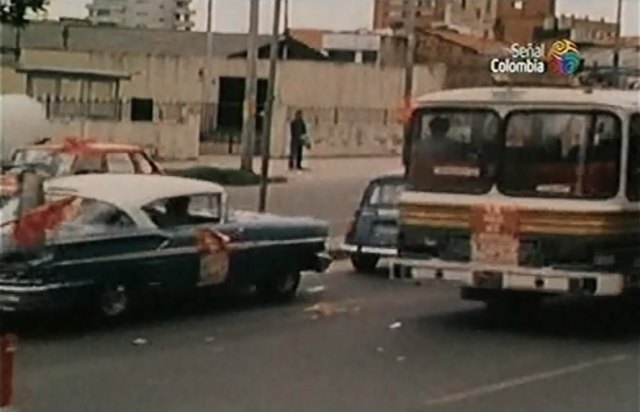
[230, 110]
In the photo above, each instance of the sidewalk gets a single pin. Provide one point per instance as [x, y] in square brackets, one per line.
[323, 168]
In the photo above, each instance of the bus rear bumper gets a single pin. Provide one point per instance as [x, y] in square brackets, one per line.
[510, 278]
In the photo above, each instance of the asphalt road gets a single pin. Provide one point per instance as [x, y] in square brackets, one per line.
[337, 351]
[333, 199]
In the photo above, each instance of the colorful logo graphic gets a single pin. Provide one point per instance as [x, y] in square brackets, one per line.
[564, 58]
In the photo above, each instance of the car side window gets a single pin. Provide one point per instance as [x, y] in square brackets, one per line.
[143, 164]
[91, 163]
[93, 216]
[120, 163]
[185, 210]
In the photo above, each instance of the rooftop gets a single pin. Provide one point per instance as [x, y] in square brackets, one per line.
[544, 95]
[130, 190]
[476, 44]
[55, 35]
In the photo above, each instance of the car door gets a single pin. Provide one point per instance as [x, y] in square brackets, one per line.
[102, 243]
[193, 245]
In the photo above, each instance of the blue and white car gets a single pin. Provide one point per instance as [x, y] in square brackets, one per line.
[373, 232]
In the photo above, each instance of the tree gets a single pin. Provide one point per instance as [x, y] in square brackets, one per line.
[14, 12]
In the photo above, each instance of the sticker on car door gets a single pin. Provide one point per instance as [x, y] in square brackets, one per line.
[214, 257]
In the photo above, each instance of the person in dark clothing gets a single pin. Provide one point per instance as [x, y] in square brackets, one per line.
[298, 129]
[438, 144]
[177, 212]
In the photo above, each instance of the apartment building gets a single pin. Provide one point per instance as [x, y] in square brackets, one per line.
[579, 29]
[505, 20]
[150, 14]
[395, 13]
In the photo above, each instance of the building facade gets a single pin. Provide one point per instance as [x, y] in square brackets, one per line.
[395, 13]
[150, 14]
[512, 21]
[580, 30]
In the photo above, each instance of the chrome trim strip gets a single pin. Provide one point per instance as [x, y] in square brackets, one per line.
[43, 288]
[187, 250]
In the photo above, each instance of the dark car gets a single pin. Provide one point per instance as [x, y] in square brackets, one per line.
[373, 230]
[130, 237]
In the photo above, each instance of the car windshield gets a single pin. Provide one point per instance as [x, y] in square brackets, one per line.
[385, 194]
[55, 163]
[455, 151]
[561, 154]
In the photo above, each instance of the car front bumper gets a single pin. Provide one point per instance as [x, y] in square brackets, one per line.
[382, 251]
[22, 298]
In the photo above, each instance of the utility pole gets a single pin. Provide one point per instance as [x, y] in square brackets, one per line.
[251, 89]
[410, 27]
[285, 52]
[268, 117]
[616, 50]
[205, 96]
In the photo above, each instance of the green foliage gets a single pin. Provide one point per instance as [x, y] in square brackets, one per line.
[15, 12]
[227, 177]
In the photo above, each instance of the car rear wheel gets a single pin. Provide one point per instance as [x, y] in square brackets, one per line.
[114, 301]
[364, 263]
[280, 289]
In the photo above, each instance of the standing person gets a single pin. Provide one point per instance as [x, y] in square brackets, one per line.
[298, 129]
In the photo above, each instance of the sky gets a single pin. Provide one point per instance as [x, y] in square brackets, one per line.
[233, 15]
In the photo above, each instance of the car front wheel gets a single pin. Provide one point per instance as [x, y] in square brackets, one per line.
[114, 301]
[280, 289]
[364, 263]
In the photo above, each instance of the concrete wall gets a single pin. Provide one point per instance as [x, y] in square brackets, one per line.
[307, 85]
[174, 141]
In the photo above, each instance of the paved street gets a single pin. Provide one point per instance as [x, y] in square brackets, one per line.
[330, 190]
[337, 351]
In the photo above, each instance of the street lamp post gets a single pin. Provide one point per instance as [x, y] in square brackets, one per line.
[268, 114]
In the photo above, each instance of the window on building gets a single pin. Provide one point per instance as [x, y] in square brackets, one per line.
[141, 110]
[487, 6]
[369, 57]
[463, 4]
[102, 12]
[346, 56]
[518, 4]
[478, 14]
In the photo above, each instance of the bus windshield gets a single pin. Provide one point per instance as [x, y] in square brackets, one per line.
[561, 154]
[455, 151]
[633, 171]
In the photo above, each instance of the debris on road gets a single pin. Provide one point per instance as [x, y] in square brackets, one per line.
[140, 342]
[209, 339]
[380, 349]
[401, 358]
[395, 325]
[325, 309]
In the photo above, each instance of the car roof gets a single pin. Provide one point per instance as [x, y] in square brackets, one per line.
[391, 175]
[128, 190]
[95, 146]
[525, 95]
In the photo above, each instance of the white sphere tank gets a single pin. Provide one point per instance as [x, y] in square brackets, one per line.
[23, 121]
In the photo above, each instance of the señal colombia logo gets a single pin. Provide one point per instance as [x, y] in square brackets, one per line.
[563, 58]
